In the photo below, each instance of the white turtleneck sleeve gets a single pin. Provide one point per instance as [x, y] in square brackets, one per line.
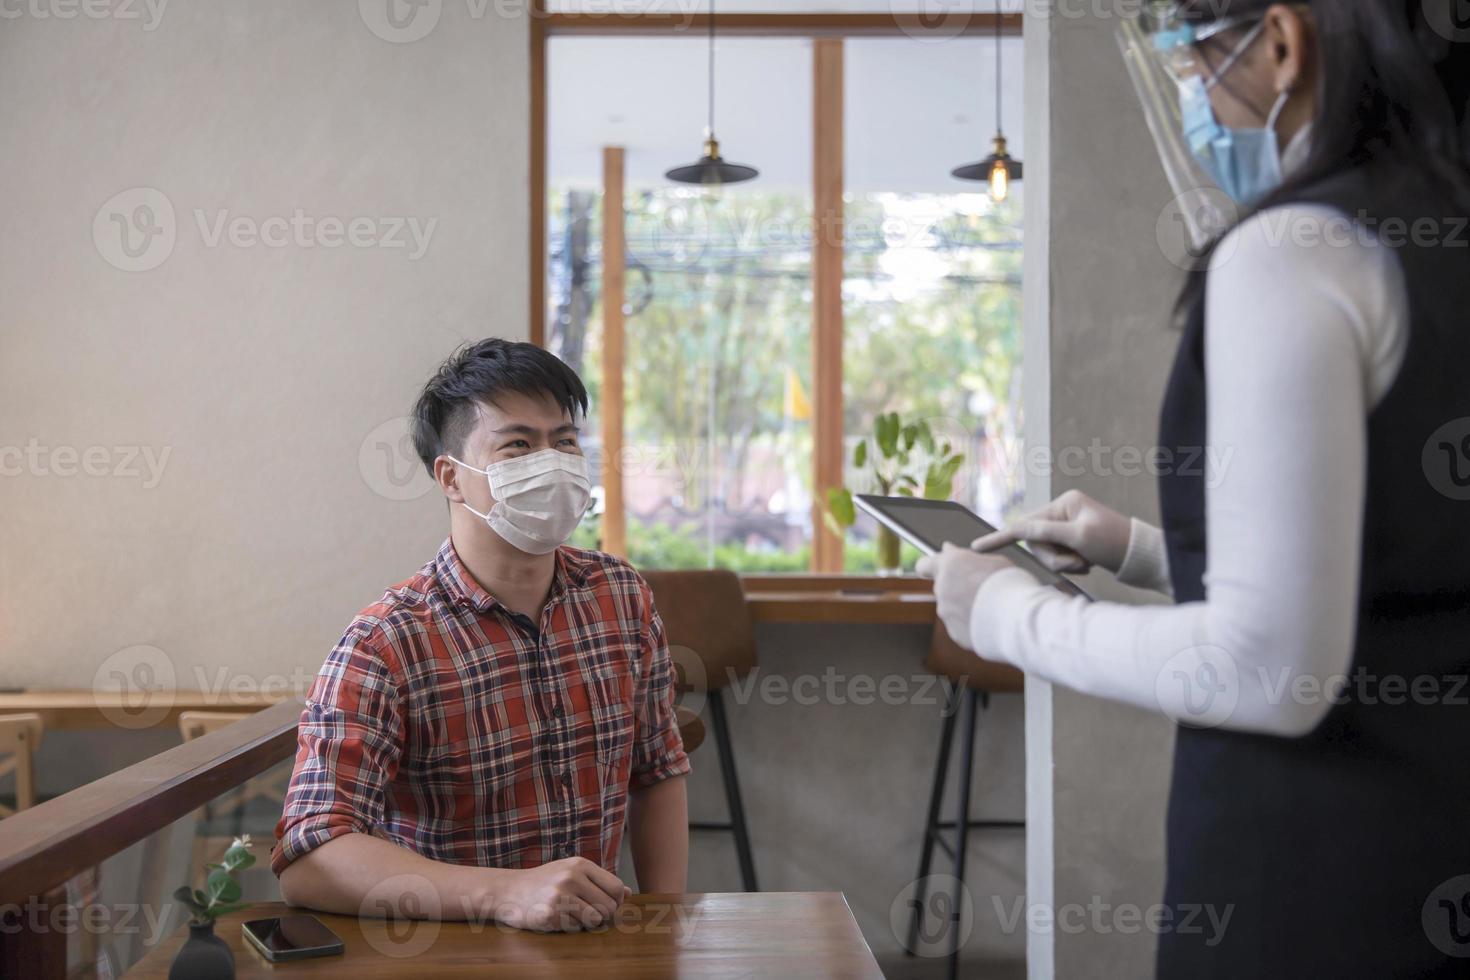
[1306, 327]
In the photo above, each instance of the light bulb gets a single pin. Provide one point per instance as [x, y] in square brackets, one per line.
[1000, 181]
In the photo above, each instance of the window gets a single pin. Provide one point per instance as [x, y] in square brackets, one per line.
[718, 401]
[932, 266]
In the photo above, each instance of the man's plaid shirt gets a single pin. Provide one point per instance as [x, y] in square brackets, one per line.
[446, 723]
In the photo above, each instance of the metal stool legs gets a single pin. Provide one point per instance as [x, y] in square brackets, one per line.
[975, 701]
[931, 828]
[732, 792]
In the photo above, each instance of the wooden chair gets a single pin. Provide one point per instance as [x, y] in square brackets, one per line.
[20, 736]
[253, 807]
[712, 642]
[975, 679]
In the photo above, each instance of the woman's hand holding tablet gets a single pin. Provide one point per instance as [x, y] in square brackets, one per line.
[930, 524]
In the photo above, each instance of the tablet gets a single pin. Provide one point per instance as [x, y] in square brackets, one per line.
[929, 524]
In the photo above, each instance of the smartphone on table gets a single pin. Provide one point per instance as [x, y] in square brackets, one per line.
[291, 937]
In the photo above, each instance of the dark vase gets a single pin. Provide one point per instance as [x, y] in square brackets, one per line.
[204, 956]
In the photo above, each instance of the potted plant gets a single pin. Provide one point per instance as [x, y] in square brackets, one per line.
[899, 458]
[205, 956]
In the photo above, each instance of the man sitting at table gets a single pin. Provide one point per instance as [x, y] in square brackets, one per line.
[478, 733]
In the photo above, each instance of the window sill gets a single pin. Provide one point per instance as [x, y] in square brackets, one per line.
[858, 599]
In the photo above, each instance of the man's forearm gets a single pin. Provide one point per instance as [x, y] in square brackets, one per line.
[658, 834]
[345, 872]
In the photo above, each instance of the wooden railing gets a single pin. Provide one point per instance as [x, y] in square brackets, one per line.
[43, 847]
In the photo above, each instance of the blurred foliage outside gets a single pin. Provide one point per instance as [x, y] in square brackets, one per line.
[718, 370]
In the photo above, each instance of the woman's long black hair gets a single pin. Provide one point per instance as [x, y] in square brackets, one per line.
[1393, 94]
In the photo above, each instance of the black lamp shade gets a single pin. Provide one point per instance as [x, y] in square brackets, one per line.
[981, 170]
[712, 170]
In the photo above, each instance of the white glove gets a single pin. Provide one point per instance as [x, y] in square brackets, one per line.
[1070, 534]
[958, 574]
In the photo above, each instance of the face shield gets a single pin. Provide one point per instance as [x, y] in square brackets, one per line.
[1164, 54]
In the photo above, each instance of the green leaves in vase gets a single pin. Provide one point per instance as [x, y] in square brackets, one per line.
[221, 892]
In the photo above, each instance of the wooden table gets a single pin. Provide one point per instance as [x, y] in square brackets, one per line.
[785, 935]
[73, 708]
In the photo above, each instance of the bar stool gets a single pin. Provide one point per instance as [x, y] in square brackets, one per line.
[704, 613]
[977, 679]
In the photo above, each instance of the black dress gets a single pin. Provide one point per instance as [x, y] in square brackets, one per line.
[1346, 853]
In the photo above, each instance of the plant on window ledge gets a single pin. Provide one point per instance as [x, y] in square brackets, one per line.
[905, 460]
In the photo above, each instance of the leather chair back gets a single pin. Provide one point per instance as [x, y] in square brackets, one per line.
[948, 659]
[710, 633]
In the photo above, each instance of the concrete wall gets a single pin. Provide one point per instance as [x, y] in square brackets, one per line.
[1100, 284]
[200, 425]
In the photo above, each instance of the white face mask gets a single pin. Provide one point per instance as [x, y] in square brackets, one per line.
[539, 498]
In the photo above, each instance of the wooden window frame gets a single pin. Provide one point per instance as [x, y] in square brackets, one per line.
[827, 260]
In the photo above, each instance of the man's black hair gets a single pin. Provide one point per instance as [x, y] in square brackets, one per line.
[477, 374]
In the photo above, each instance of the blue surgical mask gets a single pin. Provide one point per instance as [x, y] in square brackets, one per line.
[1244, 162]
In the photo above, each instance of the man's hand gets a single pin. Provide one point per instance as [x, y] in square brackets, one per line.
[958, 574]
[562, 896]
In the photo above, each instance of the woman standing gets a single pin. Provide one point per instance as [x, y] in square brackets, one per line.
[1318, 651]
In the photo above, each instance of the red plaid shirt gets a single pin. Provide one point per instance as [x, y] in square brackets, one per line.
[448, 724]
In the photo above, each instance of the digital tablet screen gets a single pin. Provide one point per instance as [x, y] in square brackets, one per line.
[929, 524]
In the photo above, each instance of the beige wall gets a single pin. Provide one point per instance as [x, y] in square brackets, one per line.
[262, 372]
